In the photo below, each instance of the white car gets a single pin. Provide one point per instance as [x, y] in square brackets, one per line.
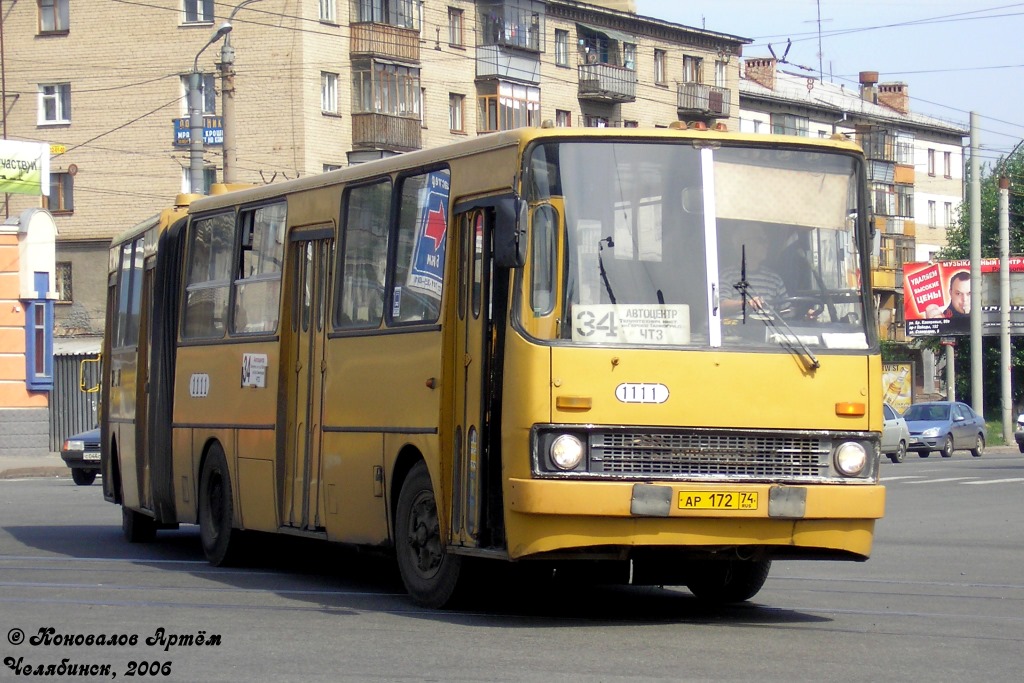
[895, 434]
[1018, 434]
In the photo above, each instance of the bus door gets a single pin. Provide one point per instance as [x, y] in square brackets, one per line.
[312, 253]
[472, 349]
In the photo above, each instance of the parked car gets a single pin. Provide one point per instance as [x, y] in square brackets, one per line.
[1018, 434]
[895, 434]
[81, 452]
[945, 426]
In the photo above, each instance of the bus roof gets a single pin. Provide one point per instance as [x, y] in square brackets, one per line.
[519, 137]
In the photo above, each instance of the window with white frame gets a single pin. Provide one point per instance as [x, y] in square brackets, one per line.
[62, 280]
[198, 11]
[207, 89]
[947, 164]
[328, 92]
[53, 16]
[629, 56]
[790, 124]
[693, 68]
[385, 88]
[504, 106]
[327, 11]
[659, 67]
[720, 73]
[393, 12]
[455, 27]
[931, 214]
[209, 178]
[948, 206]
[456, 112]
[39, 337]
[54, 103]
[931, 162]
[561, 47]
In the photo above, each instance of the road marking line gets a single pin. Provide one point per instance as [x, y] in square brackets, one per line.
[996, 481]
[939, 481]
[907, 476]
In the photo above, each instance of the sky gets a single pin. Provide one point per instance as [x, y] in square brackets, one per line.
[956, 56]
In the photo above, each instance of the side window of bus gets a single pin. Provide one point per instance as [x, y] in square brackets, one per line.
[361, 304]
[129, 294]
[258, 280]
[416, 287]
[209, 276]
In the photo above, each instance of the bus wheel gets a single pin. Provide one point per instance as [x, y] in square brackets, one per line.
[725, 581]
[430, 574]
[137, 527]
[216, 511]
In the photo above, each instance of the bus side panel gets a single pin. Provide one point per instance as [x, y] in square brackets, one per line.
[257, 485]
[355, 501]
[123, 387]
[374, 385]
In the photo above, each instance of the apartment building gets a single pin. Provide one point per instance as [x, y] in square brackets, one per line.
[314, 85]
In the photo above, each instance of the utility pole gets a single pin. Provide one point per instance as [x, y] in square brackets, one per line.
[1005, 356]
[227, 90]
[195, 116]
[977, 390]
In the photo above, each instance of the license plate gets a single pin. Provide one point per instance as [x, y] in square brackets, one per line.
[90, 456]
[718, 500]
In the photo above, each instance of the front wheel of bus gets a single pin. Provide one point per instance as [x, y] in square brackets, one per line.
[216, 510]
[430, 574]
[726, 581]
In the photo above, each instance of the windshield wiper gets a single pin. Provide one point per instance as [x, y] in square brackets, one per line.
[600, 266]
[787, 337]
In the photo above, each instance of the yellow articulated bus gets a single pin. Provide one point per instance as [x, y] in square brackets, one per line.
[645, 353]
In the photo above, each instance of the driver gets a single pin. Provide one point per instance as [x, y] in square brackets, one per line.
[765, 286]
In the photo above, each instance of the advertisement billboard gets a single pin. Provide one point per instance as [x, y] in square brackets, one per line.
[24, 167]
[937, 297]
[898, 385]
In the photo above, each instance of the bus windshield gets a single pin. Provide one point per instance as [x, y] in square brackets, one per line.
[637, 243]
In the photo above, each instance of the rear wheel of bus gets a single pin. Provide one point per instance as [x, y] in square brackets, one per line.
[726, 581]
[216, 510]
[430, 574]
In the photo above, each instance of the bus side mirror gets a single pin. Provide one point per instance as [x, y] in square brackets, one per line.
[510, 232]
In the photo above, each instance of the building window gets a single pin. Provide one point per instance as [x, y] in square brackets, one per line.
[630, 124]
[455, 27]
[209, 178]
[947, 164]
[693, 68]
[39, 337]
[931, 162]
[948, 206]
[391, 12]
[720, 74]
[561, 47]
[456, 109]
[788, 124]
[331, 167]
[62, 193]
[327, 11]
[563, 118]
[54, 103]
[198, 11]
[328, 93]
[595, 121]
[931, 214]
[208, 89]
[905, 201]
[53, 16]
[659, 67]
[508, 106]
[62, 281]
[515, 23]
[384, 88]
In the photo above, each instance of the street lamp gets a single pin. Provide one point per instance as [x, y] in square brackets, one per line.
[227, 90]
[195, 115]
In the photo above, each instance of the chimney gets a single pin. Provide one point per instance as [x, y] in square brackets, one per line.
[761, 70]
[868, 80]
[895, 96]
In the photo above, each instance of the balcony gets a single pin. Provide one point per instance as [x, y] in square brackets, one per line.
[384, 131]
[493, 61]
[697, 99]
[606, 83]
[385, 40]
[894, 251]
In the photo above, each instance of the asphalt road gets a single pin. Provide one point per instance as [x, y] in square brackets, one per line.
[941, 599]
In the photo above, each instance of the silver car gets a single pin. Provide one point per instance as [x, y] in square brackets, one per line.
[895, 434]
[945, 426]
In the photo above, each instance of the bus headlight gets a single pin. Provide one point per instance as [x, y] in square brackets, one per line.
[851, 458]
[566, 452]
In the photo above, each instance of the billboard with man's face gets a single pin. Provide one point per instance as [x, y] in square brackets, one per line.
[937, 297]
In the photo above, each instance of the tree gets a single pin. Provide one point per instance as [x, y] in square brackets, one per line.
[958, 247]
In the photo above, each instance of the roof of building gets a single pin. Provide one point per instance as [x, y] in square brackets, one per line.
[811, 92]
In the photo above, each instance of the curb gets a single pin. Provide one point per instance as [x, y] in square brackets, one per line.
[36, 473]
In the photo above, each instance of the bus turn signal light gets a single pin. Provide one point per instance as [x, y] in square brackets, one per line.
[852, 409]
